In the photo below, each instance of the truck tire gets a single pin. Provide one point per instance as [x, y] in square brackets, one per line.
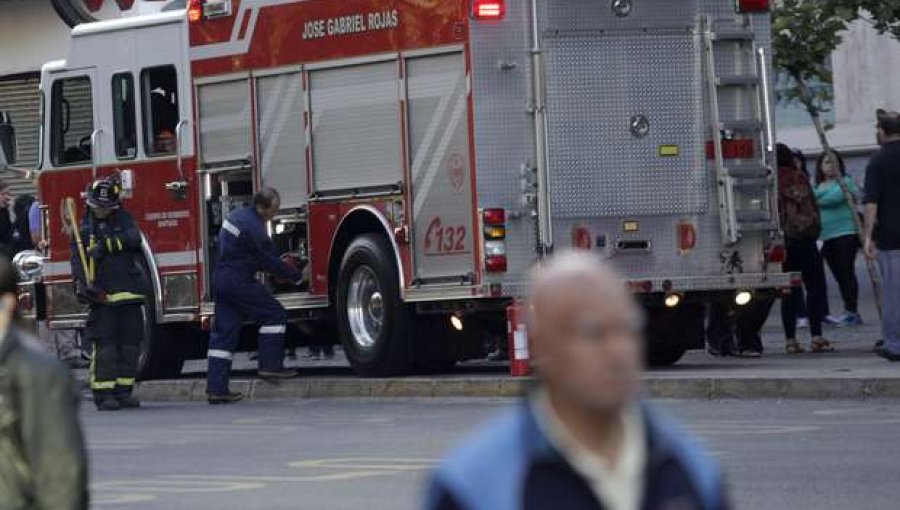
[162, 348]
[372, 321]
[666, 342]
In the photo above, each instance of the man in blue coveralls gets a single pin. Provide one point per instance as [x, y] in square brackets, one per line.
[245, 248]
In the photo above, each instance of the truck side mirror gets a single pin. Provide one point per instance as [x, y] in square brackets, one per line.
[7, 141]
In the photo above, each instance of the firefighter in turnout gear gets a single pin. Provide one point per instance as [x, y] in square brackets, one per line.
[245, 249]
[110, 278]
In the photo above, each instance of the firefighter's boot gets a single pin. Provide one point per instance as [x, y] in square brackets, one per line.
[225, 398]
[106, 401]
[127, 401]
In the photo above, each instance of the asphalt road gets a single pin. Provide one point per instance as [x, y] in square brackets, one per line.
[375, 454]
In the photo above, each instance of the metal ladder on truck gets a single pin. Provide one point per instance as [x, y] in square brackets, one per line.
[745, 184]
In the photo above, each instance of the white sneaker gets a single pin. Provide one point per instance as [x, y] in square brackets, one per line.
[802, 323]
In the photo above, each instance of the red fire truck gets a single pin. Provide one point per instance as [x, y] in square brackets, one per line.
[428, 152]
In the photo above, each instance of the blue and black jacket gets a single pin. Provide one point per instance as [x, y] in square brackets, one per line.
[512, 465]
[115, 242]
[245, 249]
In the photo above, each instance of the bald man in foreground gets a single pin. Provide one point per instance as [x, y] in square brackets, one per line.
[583, 439]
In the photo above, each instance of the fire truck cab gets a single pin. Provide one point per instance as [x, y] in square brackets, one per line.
[428, 153]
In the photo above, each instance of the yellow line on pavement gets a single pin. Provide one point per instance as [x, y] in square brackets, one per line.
[347, 475]
[368, 463]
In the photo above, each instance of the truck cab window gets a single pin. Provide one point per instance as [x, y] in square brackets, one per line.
[160, 93]
[72, 121]
[124, 116]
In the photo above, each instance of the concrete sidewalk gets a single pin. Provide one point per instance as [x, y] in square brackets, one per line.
[851, 373]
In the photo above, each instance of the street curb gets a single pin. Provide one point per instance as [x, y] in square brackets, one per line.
[703, 388]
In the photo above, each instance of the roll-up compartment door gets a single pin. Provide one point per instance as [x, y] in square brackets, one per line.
[356, 139]
[225, 121]
[439, 152]
[20, 98]
[281, 132]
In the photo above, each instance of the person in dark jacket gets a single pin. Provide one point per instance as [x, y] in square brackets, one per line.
[245, 249]
[582, 440]
[801, 222]
[43, 464]
[116, 287]
[6, 224]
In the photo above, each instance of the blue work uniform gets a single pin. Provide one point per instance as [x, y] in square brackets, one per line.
[245, 249]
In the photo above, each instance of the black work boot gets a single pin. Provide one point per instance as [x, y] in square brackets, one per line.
[126, 401]
[105, 401]
[224, 398]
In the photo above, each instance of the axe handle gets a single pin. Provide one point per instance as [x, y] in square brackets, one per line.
[76, 231]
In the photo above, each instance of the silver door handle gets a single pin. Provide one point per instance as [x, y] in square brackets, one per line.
[179, 128]
[95, 152]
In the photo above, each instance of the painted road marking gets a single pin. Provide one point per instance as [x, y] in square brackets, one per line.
[119, 499]
[176, 486]
[124, 492]
[349, 475]
[745, 429]
[368, 463]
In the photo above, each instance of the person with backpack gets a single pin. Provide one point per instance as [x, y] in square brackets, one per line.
[839, 233]
[801, 222]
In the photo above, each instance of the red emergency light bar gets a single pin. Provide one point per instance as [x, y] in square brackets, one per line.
[752, 5]
[488, 9]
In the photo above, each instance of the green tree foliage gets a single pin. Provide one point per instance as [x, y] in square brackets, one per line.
[806, 32]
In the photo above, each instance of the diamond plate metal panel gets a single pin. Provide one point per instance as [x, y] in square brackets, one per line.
[564, 15]
[596, 82]
[501, 74]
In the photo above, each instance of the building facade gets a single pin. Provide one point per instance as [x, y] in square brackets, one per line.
[866, 70]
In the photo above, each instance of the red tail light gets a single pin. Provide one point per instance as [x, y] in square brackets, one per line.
[582, 239]
[195, 11]
[494, 235]
[488, 9]
[753, 5]
[640, 287]
[495, 263]
[687, 237]
[776, 254]
[494, 216]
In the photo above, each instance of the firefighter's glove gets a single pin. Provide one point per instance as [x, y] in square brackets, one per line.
[89, 294]
[96, 251]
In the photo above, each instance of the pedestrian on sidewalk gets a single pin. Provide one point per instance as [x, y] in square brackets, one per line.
[43, 464]
[582, 439]
[839, 235]
[801, 222]
[61, 342]
[882, 198]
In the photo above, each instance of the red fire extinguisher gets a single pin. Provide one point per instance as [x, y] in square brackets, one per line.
[517, 337]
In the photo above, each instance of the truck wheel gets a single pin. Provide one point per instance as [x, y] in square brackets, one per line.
[659, 355]
[373, 324]
[161, 355]
[665, 338]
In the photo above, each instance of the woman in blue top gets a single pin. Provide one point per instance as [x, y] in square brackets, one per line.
[841, 239]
